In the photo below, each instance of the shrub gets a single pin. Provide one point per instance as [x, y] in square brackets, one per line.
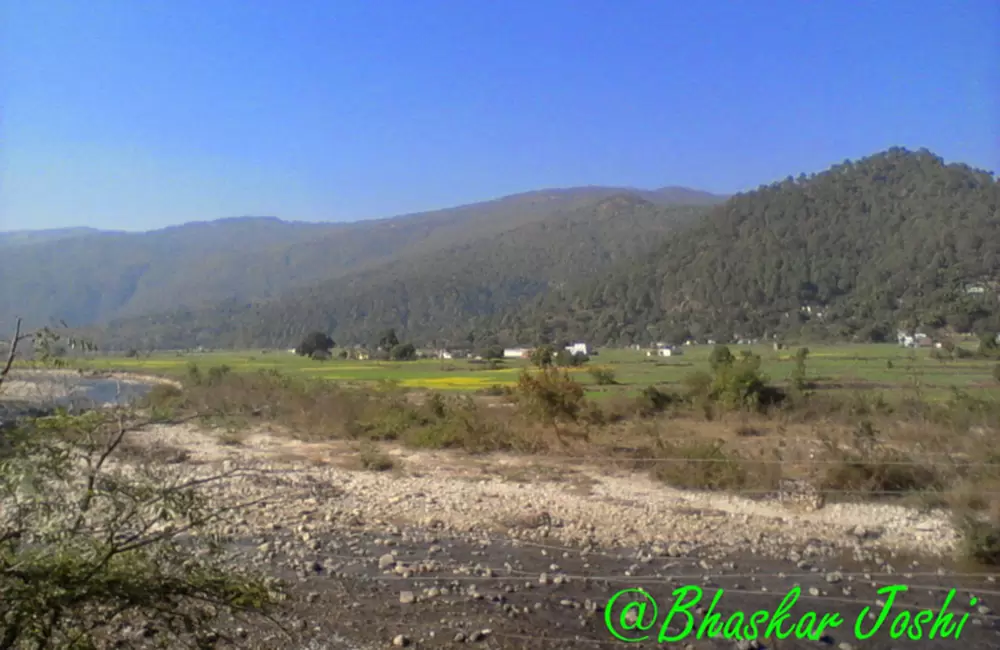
[542, 356]
[603, 376]
[164, 395]
[799, 381]
[374, 459]
[962, 353]
[869, 468]
[720, 357]
[988, 345]
[216, 374]
[740, 384]
[980, 539]
[96, 547]
[652, 401]
[700, 466]
[550, 394]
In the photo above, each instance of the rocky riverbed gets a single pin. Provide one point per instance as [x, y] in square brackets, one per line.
[448, 550]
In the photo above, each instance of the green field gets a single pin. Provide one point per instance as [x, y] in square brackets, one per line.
[887, 368]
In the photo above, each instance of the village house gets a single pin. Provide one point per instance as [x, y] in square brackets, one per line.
[516, 353]
[577, 348]
[662, 350]
[917, 340]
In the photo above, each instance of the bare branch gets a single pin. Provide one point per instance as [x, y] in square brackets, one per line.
[13, 351]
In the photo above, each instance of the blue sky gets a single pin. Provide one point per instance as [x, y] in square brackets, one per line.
[136, 115]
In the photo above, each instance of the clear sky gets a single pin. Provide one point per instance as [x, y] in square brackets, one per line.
[139, 114]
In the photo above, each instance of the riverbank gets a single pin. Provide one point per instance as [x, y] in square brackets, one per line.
[39, 387]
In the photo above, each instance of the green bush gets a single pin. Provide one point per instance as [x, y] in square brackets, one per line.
[652, 401]
[603, 376]
[543, 356]
[550, 395]
[980, 539]
[700, 466]
[374, 459]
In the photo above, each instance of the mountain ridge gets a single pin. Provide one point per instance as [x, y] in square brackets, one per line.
[87, 276]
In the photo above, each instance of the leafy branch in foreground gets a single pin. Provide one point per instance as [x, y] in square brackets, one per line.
[95, 553]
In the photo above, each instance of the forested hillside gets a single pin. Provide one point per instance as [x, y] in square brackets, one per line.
[83, 276]
[899, 238]
[436, 297]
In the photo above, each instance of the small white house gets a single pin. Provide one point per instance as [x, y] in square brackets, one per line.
[577, 348]
[516, 353]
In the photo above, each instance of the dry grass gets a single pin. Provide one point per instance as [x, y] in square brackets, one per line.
[374, 459]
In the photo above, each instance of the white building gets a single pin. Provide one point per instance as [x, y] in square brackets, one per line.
[516, 353]
[577, 348]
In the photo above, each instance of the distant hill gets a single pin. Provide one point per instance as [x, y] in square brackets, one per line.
[683, 196]
[898, 238]
[86, 277]
[26, 237]
[433, 297]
